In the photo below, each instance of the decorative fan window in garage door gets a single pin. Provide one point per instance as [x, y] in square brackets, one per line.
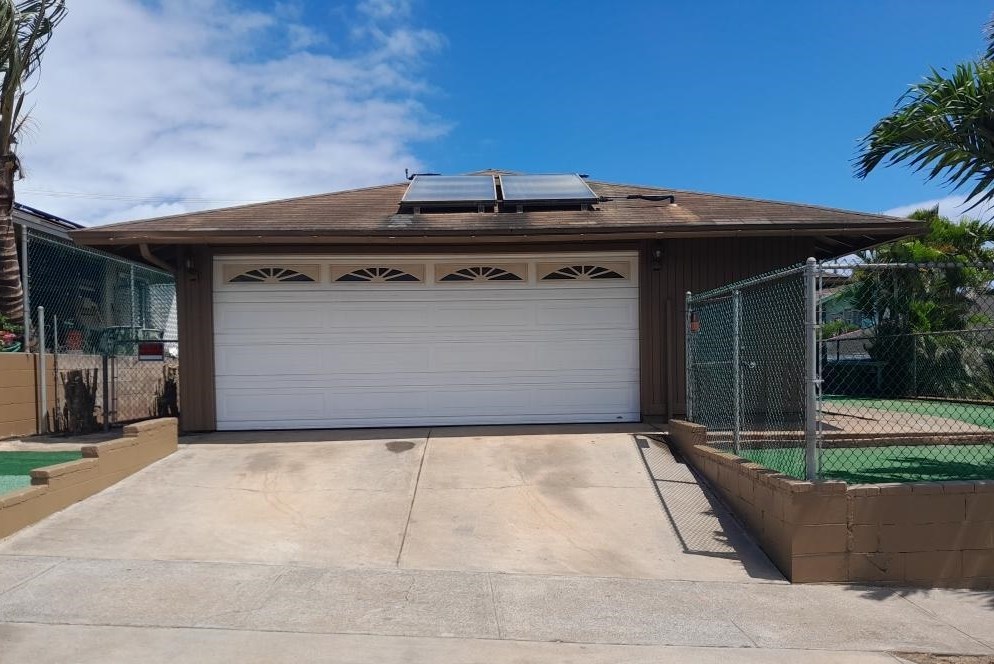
[471, 273]
[272, 274]
[377, 274]
[584, 272]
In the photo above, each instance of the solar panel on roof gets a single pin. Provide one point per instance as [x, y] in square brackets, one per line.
[532, 188]
[451, 189]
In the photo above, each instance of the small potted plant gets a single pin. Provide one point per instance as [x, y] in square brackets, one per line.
[10, 336]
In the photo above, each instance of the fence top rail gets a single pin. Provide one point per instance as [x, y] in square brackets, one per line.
[905, 266]
[728, 289]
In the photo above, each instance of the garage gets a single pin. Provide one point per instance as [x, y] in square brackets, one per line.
[360, 341]
[485, 298]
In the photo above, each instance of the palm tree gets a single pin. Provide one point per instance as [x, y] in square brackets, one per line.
[929, 323]
[25, 30]
[944, 127]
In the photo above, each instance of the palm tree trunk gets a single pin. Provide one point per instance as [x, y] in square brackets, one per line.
[11, 293]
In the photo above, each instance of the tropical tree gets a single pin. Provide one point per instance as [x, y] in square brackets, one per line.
[931, 324]
[25, 30]
[943, 127]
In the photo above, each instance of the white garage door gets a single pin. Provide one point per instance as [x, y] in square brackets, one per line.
[353, 342]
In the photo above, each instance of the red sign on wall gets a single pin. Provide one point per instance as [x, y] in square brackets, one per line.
[151, 351]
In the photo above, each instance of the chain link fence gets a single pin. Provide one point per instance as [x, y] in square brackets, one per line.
[861, 372]
[108, 328]
[745, 350]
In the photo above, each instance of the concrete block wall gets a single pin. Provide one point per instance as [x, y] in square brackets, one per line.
[935, 533]
[54, 488]
[926, 534]
[19, 393]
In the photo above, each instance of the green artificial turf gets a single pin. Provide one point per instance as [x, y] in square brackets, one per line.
[898, 463]
[16, 467]
[979, 415]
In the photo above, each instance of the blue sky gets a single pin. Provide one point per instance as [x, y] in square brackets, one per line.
[273, 99]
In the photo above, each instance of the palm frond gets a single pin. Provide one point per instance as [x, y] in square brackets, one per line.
[944, 127]
[25, 30]
[989, 36]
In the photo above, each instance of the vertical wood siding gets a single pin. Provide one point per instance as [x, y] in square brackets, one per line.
[695, 265]
[194, 301]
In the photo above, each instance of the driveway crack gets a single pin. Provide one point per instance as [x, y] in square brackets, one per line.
[493, 602]
[28, 580]
[414, 496]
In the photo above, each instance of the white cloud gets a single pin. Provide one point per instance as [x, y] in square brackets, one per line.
[953, 207]
[189, 104]
[385, 9]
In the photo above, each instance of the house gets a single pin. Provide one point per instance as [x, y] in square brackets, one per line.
[486, 298]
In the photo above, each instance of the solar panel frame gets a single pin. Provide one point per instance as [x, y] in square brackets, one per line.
[574, 189]
[444, 190]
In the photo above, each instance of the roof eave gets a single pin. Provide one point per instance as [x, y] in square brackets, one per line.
[887, 230]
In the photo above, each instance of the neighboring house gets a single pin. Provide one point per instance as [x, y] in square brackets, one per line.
[837, 305]
[94, 296]
[486, 298]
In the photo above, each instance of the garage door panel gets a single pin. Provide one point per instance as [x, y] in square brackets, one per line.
[331, 355]
[313, 359]
[271, 405]
[451, 405]
[463, 316]
[271, 318]
[374, 317]
[590, 355]
[401, 358]
[608, 314]
[259, 360]
[483, 356]
[457, 380]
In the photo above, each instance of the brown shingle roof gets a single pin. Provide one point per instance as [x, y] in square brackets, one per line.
[374, 212]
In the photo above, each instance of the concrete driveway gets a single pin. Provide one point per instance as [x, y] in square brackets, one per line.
[466, 544]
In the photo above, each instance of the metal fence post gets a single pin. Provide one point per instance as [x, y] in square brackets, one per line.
[42, 377]
[811, 369]
[55, 366]
[688, 369]
[737, 370]
[106, 391]
[25, 289]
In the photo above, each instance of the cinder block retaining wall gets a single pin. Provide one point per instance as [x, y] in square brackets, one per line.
[923, 534]
[54, 488]
[19, 393]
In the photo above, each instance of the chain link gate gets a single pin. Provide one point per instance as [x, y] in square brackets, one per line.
[747, 378]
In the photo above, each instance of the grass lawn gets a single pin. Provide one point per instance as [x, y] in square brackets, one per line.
[16, 467]
[964, 412]
[898, 463]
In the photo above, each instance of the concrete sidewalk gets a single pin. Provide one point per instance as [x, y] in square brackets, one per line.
[465, 545]
[41, 596]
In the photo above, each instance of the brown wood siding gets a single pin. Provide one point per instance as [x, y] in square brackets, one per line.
[694, 265]
[195, 308]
